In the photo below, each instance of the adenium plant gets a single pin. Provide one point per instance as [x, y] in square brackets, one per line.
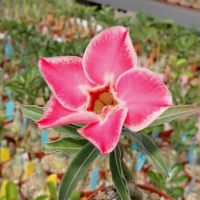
[105, 90]
[101, 96]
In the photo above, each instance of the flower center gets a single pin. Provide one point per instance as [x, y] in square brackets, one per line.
[100, 98]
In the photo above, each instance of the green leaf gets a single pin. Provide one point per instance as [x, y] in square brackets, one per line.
[76, 170]
[175, 192]
[174, 172]
[32, 112]
[118, 175]
[42, 197]
[150, 149]
[68, 131]
[181, 62]
[68, 146]
[35, 113]
[52, 190]
[176, 112]
[180, 179]
[12, 191]
[155, 179]
[75, 196]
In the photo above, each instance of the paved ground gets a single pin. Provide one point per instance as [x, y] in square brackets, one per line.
[183, 16]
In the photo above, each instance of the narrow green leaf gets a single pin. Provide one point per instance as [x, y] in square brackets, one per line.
[52, 190]
[181, 62]
[68, 131]
[180, 179]
[174, 172]
[176, 112]
[155, 178]
[118, 175]
[68, 146]
[76, 170]
[150, 149]
[35, 113]
[12, 191]
[32, 112]
[75, 196]
[175, 192]
[42, 197]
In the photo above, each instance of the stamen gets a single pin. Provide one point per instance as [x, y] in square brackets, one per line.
[100, 98]
[106, 98]
[98, 106]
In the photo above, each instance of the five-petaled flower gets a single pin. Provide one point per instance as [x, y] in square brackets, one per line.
[104, 90]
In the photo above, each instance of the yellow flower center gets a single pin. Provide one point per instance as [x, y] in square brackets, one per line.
[100, 98]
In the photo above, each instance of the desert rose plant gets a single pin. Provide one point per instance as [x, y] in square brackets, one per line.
[98, 98]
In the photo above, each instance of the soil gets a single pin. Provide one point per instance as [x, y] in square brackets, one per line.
[110, 193]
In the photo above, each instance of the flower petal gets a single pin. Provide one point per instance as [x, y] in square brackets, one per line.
[108, 55]
[145, 96]
[56, 115]
[105, 134]
[65, 77]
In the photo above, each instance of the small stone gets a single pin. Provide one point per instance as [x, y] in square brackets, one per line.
[155, 196]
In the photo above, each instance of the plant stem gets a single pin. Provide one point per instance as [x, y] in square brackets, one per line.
[127, 173]
[135, 192]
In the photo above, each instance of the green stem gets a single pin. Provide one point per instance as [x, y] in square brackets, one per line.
[135, 192]
[127, 173]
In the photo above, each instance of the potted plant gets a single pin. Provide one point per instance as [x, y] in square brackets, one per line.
[172, 185]
[108, 92]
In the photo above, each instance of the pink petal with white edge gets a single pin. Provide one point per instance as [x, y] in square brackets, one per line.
[145, 96]
[108, 55]
[65, 77]
[105, 134]
[56, 115]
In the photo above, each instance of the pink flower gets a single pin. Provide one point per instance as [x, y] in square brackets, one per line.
[105, 90]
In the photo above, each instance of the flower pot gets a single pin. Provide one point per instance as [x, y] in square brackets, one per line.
[11, 171]
[35, 186]
[153, 190]
[53, 164]
[192, 172]
[148, 188]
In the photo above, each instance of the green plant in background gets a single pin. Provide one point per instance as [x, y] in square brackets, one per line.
[172, 185]
[52, 193]
[178, 49]
[2, 128]
[87, 153]
[11, 191]
[26, 87]
[184, 134]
